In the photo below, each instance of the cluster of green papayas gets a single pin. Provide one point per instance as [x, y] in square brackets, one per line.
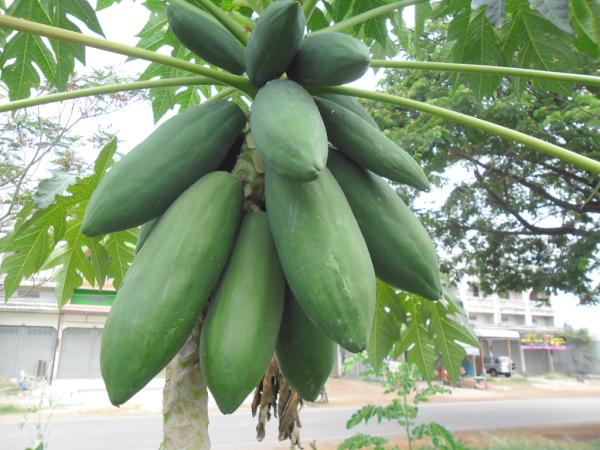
[290, 270]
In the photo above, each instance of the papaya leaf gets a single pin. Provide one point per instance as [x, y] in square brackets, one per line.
[423, 13]
[495, 12]
[585, 17]
[120, 247]
[50, 187]
[50, 238]
[29, 249]
[103, 4]
[537, 44]
[556, 11]
[74, 265]
[386, 325]
[476, 42]
[99, 259]
[28, 52]
[418, 345]
[446, 333]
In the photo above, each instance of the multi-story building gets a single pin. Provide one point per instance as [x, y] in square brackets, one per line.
[519, 325]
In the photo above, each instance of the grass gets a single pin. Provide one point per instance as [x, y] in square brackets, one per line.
[8, 408]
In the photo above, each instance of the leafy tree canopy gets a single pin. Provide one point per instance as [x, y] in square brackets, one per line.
[514, 220]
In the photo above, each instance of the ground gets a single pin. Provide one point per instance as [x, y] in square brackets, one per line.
[79, 398]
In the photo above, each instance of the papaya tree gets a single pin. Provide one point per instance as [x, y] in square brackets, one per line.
[266, 219]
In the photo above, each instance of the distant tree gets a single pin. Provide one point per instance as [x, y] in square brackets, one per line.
[583, 348]
[513, 219]
[36, 140]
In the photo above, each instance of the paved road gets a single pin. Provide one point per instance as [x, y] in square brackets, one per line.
[143, 432]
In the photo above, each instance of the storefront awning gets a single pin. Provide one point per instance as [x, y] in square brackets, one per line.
[496, 333]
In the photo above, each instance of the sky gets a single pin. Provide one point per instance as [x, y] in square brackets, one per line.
[133, 123]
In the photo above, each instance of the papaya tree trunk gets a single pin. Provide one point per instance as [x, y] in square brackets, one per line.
[185, 400]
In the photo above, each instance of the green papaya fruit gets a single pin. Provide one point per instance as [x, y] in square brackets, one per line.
[329, 59]
[240, 332]
[206, 37]
[232, 155]
[288, 131]
[323, 255]
[145, 231]
[169, 283]
[352, 104]
[401, 250]
[305, 354]
[369, 147]
[274, 41]
[146, 180]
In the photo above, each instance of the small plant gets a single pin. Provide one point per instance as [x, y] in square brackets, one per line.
[404, 409]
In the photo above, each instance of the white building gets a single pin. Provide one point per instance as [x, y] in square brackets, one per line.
[37, 338]
[517, 324]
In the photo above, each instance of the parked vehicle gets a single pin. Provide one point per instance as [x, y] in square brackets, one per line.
[498, 365]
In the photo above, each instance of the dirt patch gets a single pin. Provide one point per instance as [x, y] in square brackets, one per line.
[576, 437]
[345, 392]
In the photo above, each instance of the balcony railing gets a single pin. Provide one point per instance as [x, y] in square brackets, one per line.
[515, 305]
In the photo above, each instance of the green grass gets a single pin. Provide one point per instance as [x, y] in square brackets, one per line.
[7, 408]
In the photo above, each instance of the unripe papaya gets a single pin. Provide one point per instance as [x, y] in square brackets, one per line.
[288, 130]
[169, 283]
[305, 354]
[274, 41]
[351, 103]
[206, 37]
[145, 231]
[369, 147]
[329, 59]
[146, 180]
[402, 252]
[240, 332]
[323, 255]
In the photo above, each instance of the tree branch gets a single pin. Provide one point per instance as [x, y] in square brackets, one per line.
[506, 206]
[582, 209]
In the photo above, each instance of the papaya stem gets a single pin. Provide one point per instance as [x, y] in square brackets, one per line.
[227, 92]
[103, 90]
[243, 20]
[309, 6]
[589, 80]
[230, 23]
[583, 162]
[368, 15]
[27, 26]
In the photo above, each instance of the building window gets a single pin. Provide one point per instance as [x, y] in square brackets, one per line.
[475, 290]
[27, 294]
[473, 316]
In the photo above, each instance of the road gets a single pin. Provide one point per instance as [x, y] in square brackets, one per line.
[143, 432]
